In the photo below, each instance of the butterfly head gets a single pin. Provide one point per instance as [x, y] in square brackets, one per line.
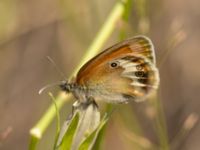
[66, 86]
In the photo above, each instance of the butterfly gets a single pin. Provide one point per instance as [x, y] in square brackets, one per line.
[126, 71]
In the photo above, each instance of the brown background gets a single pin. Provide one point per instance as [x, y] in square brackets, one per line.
[32, 29]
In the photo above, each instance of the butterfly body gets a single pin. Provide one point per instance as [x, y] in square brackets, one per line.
[123, 72]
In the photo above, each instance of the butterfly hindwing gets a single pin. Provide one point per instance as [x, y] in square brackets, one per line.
[143, 76]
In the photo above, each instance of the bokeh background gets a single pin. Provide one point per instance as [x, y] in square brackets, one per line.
[30, 30]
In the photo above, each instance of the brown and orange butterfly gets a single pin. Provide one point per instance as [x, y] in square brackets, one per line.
[126, 71]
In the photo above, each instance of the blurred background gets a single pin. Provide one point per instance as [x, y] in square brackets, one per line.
[30, 30]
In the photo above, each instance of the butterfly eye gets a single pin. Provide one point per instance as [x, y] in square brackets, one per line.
[114, 64]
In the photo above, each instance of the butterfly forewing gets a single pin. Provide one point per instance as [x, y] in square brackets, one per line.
[124, 71]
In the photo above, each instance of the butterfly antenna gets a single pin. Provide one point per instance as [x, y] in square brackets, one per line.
[63, 82]
[56, 67]
[48, 86]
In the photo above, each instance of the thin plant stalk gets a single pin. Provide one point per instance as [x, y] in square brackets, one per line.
[107, 29]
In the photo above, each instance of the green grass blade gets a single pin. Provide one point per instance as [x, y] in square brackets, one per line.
[88, 143]
[68, 137]
[57, 119]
